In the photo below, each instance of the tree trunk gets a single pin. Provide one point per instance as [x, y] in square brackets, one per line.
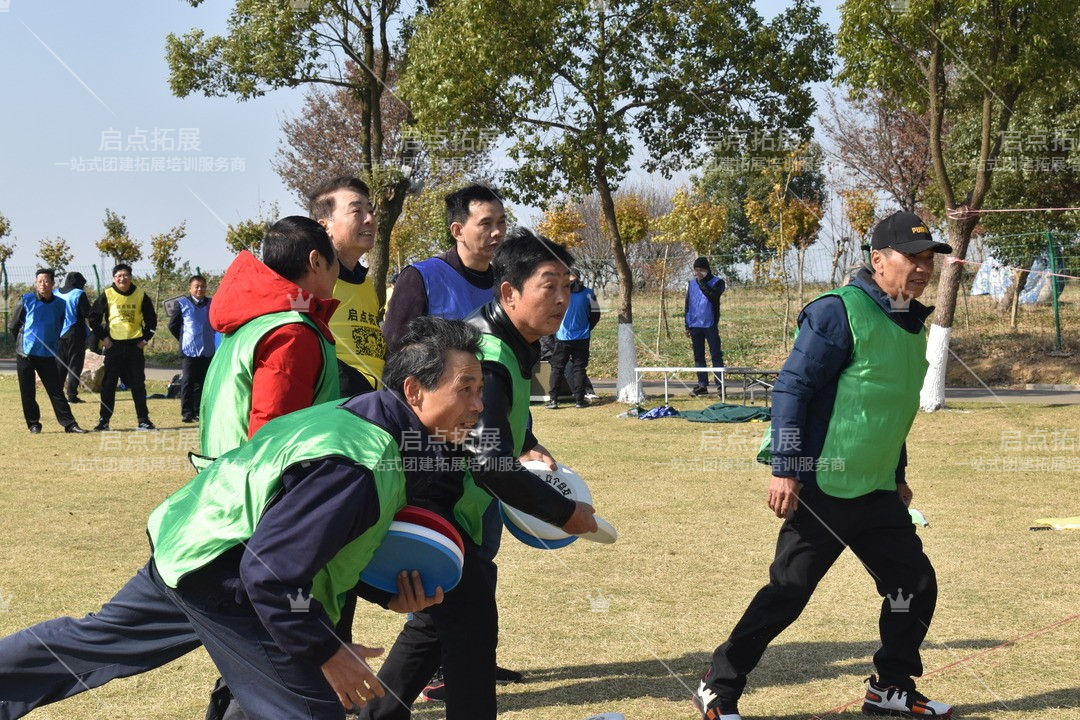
[1011, 299]
[388, 207]
[933, 391]
[662, 323]
[626, 388]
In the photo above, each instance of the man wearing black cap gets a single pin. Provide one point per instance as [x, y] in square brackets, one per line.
[702, 313]
[842, 407]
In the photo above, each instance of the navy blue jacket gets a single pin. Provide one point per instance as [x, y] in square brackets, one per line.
[323, 506]
[805, 391]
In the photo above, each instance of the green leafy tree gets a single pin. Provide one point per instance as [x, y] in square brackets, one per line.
[576, 83]
[272, 45]
[6, 251]
[55, 254]
[746, 177]
[1037, 169]
[117, 243]
[248, 234]
[163, 255]
[961, 61]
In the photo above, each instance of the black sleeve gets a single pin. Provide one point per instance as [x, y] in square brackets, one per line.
[408, 301]
[176, 323]
[18, 317]
[82, 311]
[99, 316]
[149, 318]
[712, 292]
[594, 311]
[494, 464]
[326, 504]
[901, 466]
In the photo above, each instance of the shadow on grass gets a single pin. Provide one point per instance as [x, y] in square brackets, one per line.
[785, 664]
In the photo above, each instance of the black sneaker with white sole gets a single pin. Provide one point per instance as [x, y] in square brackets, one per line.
[895, 702]
[712, 707]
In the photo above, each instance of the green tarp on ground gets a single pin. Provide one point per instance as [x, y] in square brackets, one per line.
[726, 413]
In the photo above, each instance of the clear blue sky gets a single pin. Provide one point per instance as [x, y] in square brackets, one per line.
[77, 74]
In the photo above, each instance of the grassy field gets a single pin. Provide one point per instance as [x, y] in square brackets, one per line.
[694, 547]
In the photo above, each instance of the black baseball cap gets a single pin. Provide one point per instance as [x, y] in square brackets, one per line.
[907, 233]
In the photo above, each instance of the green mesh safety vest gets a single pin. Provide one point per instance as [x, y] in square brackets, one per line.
[469, 510]
[222, 505]
[225, 410]
[877, 398]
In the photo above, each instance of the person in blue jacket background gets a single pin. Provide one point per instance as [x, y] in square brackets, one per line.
[572, 341]
[190, 325]
[702, 313]
[36, 325]
[72, 346]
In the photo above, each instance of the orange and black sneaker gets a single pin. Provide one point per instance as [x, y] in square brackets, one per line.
[897, 702]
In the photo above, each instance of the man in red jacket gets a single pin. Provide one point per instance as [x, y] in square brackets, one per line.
[277, 354]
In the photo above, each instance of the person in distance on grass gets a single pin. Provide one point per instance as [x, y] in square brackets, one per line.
[36, 325]
[571, 342]
[253, 557]
[72, 346]
[702, 317]
[532, 290]
[124, 320]
[276, 354]
[191, 327]
[843, 404]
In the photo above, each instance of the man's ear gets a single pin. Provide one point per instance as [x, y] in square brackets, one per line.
[323, 221]
[413, 391]
[506, 292]
[455, 230]
[313, 260]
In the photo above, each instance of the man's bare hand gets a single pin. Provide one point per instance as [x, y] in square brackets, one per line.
[905, 494]
[351, 677]
[783, 496]
[410, 596]
[582, 521]
[106, 343]
[539, 452]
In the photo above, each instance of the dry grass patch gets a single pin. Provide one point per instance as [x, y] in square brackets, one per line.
[694, 547]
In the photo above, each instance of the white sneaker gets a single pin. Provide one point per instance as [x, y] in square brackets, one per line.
[592, 396]
[901, 703]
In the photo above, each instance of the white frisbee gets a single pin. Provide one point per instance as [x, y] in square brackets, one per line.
[535, 532]
[605, 532]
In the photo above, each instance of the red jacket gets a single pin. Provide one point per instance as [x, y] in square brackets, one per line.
[288, 360]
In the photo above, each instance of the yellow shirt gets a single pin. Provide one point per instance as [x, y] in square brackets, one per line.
[355, 325]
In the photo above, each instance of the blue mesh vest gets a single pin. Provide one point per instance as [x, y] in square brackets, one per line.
[449, 294]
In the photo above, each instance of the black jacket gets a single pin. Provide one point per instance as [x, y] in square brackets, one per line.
[494, 464]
